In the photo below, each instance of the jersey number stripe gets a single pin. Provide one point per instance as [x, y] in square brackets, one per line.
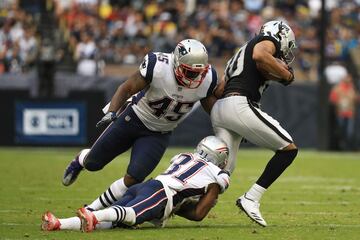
[183, 174]
[161, 108]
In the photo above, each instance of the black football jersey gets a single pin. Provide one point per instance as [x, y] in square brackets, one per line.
[241, 73]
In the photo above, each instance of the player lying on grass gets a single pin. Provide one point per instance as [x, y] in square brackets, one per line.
[196, 175]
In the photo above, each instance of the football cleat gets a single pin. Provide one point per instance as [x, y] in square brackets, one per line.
[252, 209]
[50, 222]
[72, 172]
[88, 220]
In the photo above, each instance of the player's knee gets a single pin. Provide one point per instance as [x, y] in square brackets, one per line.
[129, 180]
[291, 146]
[92, 164]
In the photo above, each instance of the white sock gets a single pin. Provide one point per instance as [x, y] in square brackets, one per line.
[82, 155]
[255, 192]
[104, 225]
[106, 215]
[110, 196]
[116, 214]
[72, 223]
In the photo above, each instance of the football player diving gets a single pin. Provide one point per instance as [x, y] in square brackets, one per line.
[188, 188]
[167, 86]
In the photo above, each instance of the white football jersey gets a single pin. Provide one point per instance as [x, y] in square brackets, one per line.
[164, 103]
[189, 175]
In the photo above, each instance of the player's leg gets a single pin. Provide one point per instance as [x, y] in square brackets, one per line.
[232, 140]
[146, 153]
[51, 223]
[116, 190]
[117, 138]
[262, 130]
[142, 202]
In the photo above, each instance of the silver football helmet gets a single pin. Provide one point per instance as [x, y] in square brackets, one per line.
[214, 150]
[190, 62]
[283, 33]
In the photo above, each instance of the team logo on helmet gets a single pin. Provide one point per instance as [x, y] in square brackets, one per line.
[182, 50]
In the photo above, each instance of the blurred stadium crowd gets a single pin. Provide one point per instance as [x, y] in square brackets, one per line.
[95, 33]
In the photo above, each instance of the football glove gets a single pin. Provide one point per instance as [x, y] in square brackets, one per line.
[107, 118]
[223, 179]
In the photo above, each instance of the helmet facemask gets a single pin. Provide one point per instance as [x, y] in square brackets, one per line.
[190, 63]
[287, 43]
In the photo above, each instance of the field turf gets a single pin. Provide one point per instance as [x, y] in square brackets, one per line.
[318, 197]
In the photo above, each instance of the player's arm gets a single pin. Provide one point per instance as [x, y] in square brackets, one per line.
[208, 102]
[263, 56]
[198, 211]
[132, 85]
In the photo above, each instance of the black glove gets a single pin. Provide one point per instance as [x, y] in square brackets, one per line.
[107, 118]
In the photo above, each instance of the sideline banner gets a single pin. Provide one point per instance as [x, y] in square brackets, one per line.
[50, 122]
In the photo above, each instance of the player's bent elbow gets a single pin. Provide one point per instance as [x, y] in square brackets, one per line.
[201, 213]
[199, 218]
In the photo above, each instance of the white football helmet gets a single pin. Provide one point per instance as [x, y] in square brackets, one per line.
[214, 150]
[190, 62]
[283, 33]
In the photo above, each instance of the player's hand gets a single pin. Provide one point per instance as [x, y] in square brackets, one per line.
[109, 117]
[223, 179]
[290, 79]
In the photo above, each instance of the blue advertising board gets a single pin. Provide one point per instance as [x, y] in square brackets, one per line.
[50, 122]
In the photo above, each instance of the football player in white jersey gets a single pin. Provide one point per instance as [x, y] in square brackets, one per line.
[167, 87]
[237, 114]
[196, 175]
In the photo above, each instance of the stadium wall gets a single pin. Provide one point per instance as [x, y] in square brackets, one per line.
[69, 118]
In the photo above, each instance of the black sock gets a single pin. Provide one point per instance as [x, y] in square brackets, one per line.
[276, 166]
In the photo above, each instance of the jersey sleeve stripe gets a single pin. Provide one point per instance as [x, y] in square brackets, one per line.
[150, 67]
[214, 82]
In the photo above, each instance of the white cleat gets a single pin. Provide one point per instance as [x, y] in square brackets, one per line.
[251, 208]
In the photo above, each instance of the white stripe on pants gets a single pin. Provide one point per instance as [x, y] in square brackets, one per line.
[233, 119]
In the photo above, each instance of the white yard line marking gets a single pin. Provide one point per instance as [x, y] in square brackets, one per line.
[62, 199]
[287, 202]
[333, 187]
[315, 213]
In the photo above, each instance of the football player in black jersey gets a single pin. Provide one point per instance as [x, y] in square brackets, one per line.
[237, 114]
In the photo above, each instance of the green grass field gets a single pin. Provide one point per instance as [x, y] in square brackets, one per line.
[318, 197]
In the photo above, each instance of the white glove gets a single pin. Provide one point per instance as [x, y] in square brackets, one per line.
[223, 179]
[107, 118]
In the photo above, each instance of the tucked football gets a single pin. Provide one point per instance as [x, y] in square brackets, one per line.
[268, 75]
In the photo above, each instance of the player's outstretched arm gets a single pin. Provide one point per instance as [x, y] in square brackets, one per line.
[198, 211]
[263, 56]
[132, 85]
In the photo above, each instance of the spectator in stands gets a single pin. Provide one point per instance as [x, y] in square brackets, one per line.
[28, 48]
[85, 55]
[344, 98]
[124, 30]
[13, 63]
